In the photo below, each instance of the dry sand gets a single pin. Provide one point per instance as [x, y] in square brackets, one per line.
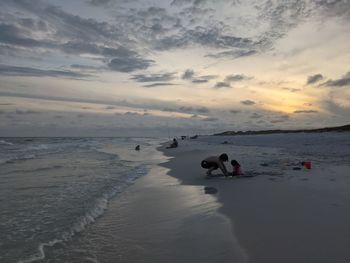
[281, 214]
[278, 215]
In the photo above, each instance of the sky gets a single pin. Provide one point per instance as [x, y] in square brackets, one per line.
[172, 67]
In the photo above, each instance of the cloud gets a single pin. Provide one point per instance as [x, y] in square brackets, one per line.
[234, 111]
[279, 119]
[305, 111]
[202, 110]
[153, 77]
[199, 81]
[210, 119]
[232, 54]
[110, 108]
[6, 70]
[343, 81]
[337, 109]
[314, 78]
[160, 84]
[248, 102]
[188, 74]
[129, 64]
[256, 116]
[207, 38]
[10, 34]
[131, 113]
[292, 89]
[87, 67]
[188, 2]
[220, 85]
[128, 61]
[99, 2]
[24, 112]
[234, 78]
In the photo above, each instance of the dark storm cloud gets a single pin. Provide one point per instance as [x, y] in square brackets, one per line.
[313, 79]
[305, 111]
[220, 85]
[343, 81]
[6, 70]
[248, 102]
[153, 77]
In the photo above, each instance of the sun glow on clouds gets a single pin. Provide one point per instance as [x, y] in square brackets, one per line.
[199, 60]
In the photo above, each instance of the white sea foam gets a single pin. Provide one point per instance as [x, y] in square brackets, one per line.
[90, 217]
[41, 253]
[39, 147]
[3, 142]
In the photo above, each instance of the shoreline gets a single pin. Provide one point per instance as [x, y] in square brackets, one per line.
[156, 219]
[277, 216]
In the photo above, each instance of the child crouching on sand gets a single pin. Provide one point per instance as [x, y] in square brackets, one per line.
[236, 168]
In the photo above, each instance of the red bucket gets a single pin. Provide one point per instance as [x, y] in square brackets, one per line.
[307, 165]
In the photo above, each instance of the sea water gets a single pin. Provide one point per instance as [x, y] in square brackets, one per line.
[51, 189]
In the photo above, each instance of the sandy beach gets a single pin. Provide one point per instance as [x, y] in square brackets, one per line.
[279, 214]
[166, 210]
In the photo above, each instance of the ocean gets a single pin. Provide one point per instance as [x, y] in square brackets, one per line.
[52, 189]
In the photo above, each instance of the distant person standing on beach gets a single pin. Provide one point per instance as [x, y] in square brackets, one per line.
[214, 162]
[174, 144]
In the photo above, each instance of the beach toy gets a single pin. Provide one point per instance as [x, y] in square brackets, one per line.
[307, 164]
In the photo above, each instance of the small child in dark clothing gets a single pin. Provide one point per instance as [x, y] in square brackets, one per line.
[236, 168]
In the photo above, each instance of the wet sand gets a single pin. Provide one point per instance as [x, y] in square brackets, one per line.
[280, 214]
